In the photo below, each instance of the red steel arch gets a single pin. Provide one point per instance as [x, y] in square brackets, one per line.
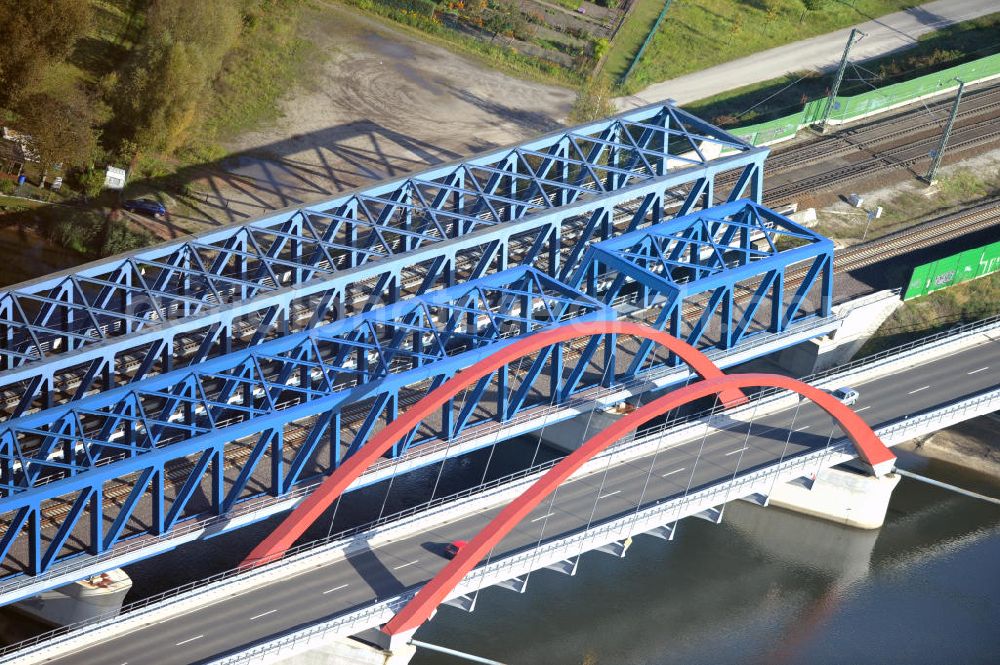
[420, 607]
[300, 519]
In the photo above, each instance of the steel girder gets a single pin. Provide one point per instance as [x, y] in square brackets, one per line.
[160, 437]
[539, 203]
[724, 268]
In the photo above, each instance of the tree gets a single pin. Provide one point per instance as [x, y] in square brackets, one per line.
[160, 92]
[60, 125]
[594, 100]
[33, 35]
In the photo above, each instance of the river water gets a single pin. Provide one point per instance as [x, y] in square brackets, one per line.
[765, 586]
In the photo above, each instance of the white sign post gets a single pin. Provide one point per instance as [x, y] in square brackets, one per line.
[114, 178]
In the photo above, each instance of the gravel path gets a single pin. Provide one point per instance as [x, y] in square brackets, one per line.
[384, 103]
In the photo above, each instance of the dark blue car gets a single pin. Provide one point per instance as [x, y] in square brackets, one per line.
[146, 207]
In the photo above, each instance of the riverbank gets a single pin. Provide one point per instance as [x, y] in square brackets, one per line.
[974, 444]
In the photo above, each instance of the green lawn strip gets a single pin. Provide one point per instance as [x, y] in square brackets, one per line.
[964, 303]
[778, 97]
[631, 35]
[700, 33]
[269, 60]
[14, 203]
[955, 191]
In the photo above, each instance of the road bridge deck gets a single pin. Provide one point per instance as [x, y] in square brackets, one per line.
[389, 568]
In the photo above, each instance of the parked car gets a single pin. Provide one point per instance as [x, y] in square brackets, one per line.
[846, 395]
[452, 548]
[149, 207]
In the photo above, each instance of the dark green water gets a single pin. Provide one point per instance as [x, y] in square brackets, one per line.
[765, 586]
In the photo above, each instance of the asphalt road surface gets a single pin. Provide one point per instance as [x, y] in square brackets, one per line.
[348, 583]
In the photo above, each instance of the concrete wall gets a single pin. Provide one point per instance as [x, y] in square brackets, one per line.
[862, 317]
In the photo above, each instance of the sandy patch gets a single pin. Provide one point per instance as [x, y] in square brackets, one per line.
[974, 444]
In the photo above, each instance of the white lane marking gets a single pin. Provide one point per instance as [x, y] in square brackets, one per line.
[917, 390]
[543, 517]
[670, 473]
[977, 371]
[802, 428]
[738, 450]
[404, 565]
[336, 588]
[862, 408]
[605, 496]
[263, 615]
[196, 637]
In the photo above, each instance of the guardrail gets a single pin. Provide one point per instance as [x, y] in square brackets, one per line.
[891, 432]
[609, 530]
[533, 558]
[868, 103]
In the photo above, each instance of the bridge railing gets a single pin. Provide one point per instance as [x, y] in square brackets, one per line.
[894, 433]
[257, 504]
[566, 546]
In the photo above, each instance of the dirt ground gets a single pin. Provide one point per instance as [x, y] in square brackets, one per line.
[381, 105]
[974, 444]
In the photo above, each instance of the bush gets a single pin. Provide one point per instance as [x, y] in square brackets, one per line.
[160, 92]
[91, 181]
[600, 47]
[118, 237]
[595, 100]
[424, 7]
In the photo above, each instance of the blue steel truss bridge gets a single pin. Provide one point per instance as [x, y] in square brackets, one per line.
[212, 381]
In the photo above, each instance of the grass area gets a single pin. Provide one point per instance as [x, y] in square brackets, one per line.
[115, 28]
[631, 35]
[17, 204]
[965, 303]
[957, 189]
[271, 57]
[934, 51]
[700, 33]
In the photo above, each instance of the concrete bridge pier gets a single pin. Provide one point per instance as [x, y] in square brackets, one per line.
[861, 318]
[842, 496]
[96, 596]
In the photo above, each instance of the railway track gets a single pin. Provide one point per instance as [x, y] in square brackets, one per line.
[984, 216]
[899, 140]
[906, 156]
[873, 133]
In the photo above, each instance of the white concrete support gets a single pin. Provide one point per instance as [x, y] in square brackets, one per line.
[345, 651]
[839, 496]
[860, 317]
[97, 596]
